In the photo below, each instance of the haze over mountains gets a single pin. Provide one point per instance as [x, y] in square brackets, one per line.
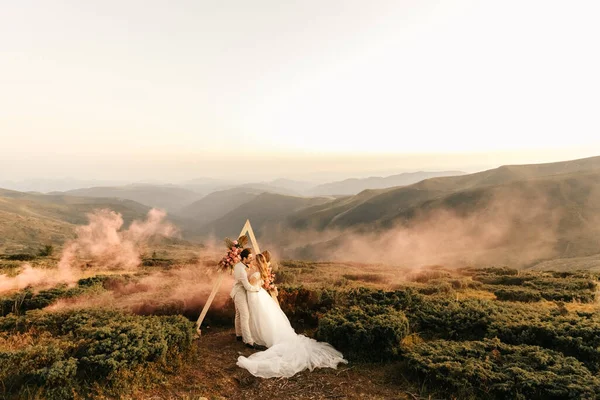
[355, 186]
[33, 218]
[169, 198]
[517, 214]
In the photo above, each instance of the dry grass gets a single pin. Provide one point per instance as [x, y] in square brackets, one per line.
[475, 294]
[19, 341]
[320, 275]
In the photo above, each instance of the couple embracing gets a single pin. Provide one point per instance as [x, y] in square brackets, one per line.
[261, 324]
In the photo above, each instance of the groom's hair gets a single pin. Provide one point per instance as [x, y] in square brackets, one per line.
[245, 253]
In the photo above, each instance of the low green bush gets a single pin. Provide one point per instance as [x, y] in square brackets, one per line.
[522, 295]
[369, 333]
[86, 347]
[27, 299]
[490, 369]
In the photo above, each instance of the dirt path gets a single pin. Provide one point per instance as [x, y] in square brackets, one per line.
[215, 376]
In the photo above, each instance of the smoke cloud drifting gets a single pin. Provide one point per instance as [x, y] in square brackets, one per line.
[176, 291]
[510, 228]
[101, 242]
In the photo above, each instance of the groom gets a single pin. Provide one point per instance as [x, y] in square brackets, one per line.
[238, 293]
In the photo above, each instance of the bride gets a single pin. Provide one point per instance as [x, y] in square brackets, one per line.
[288, 353]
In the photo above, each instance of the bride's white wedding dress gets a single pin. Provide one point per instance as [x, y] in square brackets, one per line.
[288, 353]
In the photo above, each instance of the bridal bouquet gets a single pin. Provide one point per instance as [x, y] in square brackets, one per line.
[233, 255]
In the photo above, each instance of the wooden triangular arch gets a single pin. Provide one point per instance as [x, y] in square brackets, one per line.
[247, 229]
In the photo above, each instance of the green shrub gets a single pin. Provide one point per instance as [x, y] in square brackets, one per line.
[522, 295]
[285, 276]
[492, 370]
[158, 262]
[428, 275]
[400, 299]
[26, 299]
[450, 319]
[369, 333]
[465, 283]
[551, 286]
[20, 257]
[46, 251]
[93, 280]
[84, 347]
[583, 296]
[572, 335]
[304, 306]
[442, 288]
[45, 364]
[296, 264]
[373, 278]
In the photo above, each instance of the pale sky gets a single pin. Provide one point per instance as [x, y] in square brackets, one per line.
[173, 90]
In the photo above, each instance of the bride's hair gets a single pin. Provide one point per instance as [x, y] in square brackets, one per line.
[263, 264]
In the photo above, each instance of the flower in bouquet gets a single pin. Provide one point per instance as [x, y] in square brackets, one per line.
[233, 254]
[269, 282]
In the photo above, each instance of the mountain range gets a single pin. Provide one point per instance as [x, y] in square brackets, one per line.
[522, 214]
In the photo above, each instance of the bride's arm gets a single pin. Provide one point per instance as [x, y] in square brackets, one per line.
[253, 279]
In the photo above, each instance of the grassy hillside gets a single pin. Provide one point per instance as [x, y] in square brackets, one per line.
[319, 216]
[32, 220]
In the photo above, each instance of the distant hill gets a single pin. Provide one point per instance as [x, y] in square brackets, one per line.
[167, 197]
[269, 188]
[265, 209]
[510, 173]
[217, 204]
[55, 185]
[31, 220]
[545, 210]
[321, 215]
[293, 185]
[379, 205]
[206, 187]
[355, 185]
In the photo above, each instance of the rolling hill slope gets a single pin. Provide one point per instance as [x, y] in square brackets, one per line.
[31, 220]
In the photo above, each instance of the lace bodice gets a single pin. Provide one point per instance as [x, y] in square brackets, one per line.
[255, 279]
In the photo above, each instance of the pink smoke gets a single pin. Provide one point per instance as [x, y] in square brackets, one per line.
[30, 276]
[513, 228]
[102, 242]
[181, 290]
